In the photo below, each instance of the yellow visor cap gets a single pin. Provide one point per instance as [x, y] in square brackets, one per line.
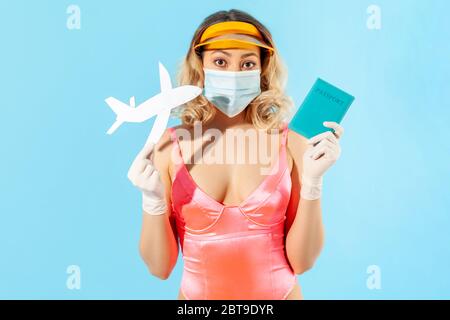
[232, 34]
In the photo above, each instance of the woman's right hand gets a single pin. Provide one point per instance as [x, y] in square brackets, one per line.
[146, 178]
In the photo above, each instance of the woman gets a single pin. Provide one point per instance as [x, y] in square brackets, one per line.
[244, 233]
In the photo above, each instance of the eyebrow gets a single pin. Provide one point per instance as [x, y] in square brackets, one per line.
[221, 51]
[245, 55]
[249, 54]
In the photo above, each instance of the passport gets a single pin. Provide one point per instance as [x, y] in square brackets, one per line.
[324, 102]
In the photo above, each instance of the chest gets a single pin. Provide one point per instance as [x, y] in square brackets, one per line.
[230, 173]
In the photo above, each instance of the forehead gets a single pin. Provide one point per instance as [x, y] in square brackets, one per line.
[234, 53]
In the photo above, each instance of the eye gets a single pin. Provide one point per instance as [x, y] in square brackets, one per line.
[248, 64]
[220, 63]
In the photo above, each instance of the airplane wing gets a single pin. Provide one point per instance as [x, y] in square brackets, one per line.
[181, 95]
[114, 127]
[164, 100]
[159, 126]
[164, 78]
[116, 105]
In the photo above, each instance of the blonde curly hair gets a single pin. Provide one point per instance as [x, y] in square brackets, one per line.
[267, 111]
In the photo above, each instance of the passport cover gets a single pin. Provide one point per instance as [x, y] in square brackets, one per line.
[324, 102]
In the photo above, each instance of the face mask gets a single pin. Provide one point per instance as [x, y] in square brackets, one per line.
[231, 91]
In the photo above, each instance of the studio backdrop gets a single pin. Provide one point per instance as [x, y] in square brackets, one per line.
[69, 217]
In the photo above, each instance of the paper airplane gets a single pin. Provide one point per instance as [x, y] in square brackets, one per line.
[159, 105]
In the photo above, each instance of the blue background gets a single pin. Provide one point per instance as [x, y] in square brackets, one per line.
[65, 197]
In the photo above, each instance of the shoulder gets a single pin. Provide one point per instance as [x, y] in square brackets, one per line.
[182, 131]
[162, 152]
[296, 146]
[296, 142]
[162, 159]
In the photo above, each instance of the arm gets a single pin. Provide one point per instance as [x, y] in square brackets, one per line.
[304, 227]
[311, 158]
[158, 245]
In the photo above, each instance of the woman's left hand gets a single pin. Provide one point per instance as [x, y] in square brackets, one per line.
[322, 152]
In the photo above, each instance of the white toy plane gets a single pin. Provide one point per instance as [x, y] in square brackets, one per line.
[159, 105]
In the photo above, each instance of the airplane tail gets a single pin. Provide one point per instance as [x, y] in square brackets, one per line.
[118, 108]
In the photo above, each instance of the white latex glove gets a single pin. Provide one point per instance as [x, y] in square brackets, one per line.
[321, 154]
[144, 176]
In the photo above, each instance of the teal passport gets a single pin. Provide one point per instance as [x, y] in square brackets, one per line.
[324, 102]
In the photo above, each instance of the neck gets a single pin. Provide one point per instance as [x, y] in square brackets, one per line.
[222, 121]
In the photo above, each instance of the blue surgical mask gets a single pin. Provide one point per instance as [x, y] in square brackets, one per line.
[231, 91]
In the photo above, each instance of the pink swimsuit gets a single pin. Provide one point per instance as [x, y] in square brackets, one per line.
[233, 251]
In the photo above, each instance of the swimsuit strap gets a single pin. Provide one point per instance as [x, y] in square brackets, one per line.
[173, 135]
[284, 134]
[176, 156]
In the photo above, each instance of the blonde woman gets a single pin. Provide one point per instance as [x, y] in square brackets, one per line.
[246, 228]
